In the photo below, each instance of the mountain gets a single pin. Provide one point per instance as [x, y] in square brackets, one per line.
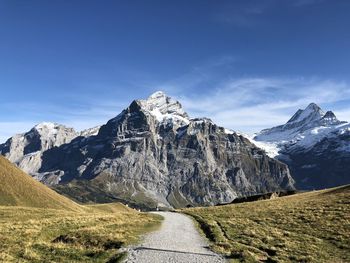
[153, 153]
[315, 145]
[19, 189]
[25, 150]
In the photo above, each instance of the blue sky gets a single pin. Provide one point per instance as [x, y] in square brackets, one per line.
[246, 64]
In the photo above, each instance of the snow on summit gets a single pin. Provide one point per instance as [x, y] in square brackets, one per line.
[164, 108]
[47, 125]
[304, 129]
[310, 113]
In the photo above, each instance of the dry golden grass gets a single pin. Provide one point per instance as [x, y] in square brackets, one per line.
[19, 189]
[39, 225]
[52, 235]
[307, 227]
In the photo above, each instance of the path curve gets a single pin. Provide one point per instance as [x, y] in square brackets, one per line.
[176, 241]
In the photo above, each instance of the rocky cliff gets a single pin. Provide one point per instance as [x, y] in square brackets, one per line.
[153, 154]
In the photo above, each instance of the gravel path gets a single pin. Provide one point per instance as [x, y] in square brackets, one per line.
[176, 241]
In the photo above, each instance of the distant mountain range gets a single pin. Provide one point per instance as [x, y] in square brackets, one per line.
[151, 154]
[314, 144]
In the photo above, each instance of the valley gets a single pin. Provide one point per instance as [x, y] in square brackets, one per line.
[175, 131]
[153, 155]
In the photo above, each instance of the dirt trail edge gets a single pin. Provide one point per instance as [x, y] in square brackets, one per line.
[176, 241]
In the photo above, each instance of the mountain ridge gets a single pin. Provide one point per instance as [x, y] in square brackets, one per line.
[153, 152]
[314, 144]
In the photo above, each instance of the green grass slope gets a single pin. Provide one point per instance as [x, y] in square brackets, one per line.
[306, 227]
[19, 189]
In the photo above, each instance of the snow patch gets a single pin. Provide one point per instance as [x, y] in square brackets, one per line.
[227, 131]
[165, 108]
[271, 148]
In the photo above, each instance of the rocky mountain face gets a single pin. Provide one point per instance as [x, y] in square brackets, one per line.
[154, 154]
[315, 145]
[26, 149]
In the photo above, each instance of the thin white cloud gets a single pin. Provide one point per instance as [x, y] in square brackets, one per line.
[246, 104]
[243, 104]
[251, 104]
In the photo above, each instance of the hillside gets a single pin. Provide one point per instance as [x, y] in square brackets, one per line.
[37, 224]
[19, 189]
[307, 227]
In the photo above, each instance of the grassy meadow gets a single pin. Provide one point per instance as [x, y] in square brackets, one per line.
[39, 225]
[306, 227]
[52, 235]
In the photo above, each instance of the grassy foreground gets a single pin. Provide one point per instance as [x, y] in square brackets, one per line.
[93, 234]
[307, 227]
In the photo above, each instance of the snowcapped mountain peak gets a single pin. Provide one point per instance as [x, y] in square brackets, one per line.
[311, 113]
[49, 129]
[305, 129]
[329, 115]
[26, 149]
[315, 145]
[45, 125]
[157, 95]
[313, 106]
[313, 109]
[330, 119]
[312, 116]
[302, 127]
[165, 104]
[164, 108]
